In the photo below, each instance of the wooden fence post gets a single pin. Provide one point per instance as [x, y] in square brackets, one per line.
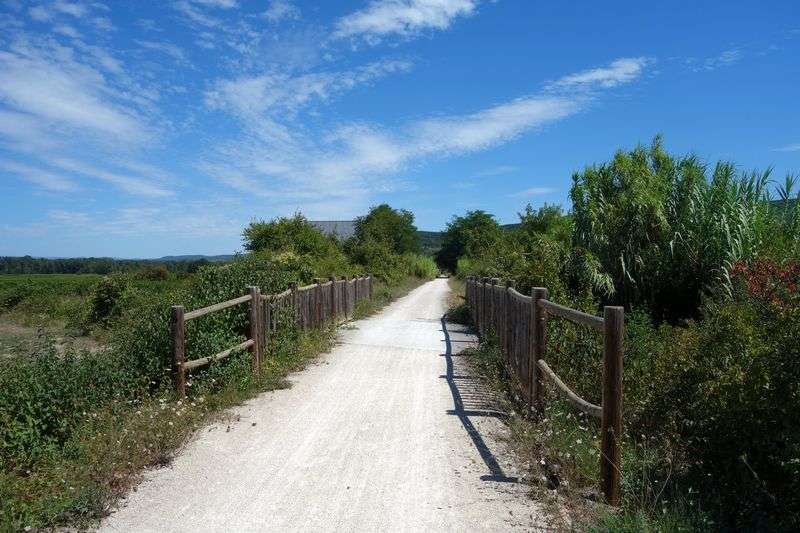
[538, 345]
[369, 286]
[508, 320]
[495, 310]
[484, 307]
[178, 350]
[346, 297]
[266, 322]
[317, 303]
[334, 307]
[254, 333]
[295, 306]
[611, 422]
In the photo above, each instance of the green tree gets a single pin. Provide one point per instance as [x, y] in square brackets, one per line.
[391, 227]
[548, 220]
[468, 235]
[287, 234]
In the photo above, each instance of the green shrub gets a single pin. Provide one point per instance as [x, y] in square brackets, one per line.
[420, 266]
[105, 298]
[668, 232]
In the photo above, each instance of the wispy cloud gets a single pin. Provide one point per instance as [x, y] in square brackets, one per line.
[42, 178]
[250, 98]
[169, 49]
[726, 58]
[496, 171]
[50, 85]
[402, 17]
[278, 161]
[67, 31]
[788, 148]
[533, 191]
[279, 10]
[620, 71]
[128, 183]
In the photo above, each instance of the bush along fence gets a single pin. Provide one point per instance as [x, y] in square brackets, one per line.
[520, 324]
[312, 306]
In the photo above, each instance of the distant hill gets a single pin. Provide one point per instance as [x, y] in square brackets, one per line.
[431, 241]
[779, 203]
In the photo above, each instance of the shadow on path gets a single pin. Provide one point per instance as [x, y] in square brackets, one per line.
[472, 397]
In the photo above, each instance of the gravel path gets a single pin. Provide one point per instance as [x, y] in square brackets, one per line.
[387, 432]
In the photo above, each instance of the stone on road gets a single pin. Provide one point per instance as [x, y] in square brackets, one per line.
[389, 431]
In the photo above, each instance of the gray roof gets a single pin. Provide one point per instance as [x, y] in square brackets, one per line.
[343, 229]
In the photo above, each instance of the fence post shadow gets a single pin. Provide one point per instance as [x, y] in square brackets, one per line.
[463, 414]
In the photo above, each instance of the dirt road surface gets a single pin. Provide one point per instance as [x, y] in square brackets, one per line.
[388, 432]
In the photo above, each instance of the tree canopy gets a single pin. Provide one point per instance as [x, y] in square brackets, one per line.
[391, 227]
[467, 235]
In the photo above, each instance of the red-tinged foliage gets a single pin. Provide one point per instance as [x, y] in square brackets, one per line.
[769, 281]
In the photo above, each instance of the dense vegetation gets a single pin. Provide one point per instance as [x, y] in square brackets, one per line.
[76, 425]
[99, 265]
[706, 265]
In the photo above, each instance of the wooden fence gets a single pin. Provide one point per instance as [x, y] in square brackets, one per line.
[308, 307]
[520, 324]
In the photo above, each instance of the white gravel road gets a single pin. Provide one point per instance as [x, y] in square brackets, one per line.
[388, 432]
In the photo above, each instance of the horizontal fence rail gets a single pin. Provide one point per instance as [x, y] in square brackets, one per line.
[520, 324]
[308, 307]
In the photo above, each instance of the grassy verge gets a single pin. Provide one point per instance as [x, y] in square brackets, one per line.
[111, 446]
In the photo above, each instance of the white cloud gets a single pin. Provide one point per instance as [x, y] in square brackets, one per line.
[40, 14]
[103, 23]
[169, 49]
[185, 219]
[67, 31]
[74, 9]
[496, 171]
[51, 86]
[281, 163]
[281, 10]
[726, 58]
[222, 4]
[402, 17]
[620, 71]
[788, 148]
[250, 98]
[489, 127]
[128, 183]
[42, 178]
[533, 191]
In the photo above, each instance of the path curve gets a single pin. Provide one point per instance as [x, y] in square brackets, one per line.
[387, 432]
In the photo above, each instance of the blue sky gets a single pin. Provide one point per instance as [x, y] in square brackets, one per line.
[142, 129]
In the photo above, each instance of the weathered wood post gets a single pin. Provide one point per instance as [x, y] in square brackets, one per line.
[495, 311]
[538, 345]
[346, 297]
[334, 306]
[611, 422]
[254, 333]
[369, 286]
[484, 307]
[317, 320]
[508, 320]
[266, 322]
[295, 302]
[178, 350]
